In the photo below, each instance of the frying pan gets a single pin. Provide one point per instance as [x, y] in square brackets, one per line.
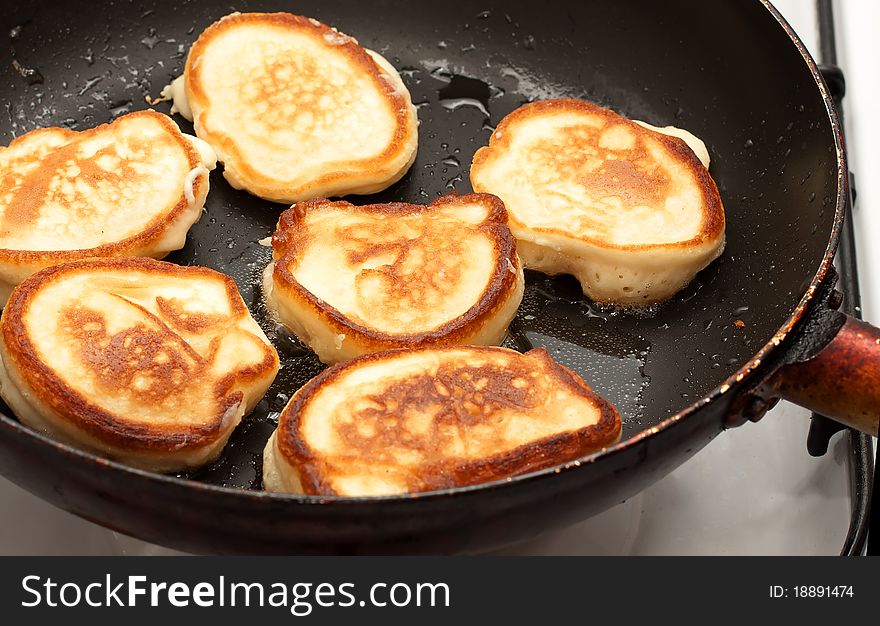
[758, 324]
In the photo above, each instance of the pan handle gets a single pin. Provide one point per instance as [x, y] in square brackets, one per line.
[842, 381]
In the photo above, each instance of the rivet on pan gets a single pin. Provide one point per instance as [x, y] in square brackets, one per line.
[749, 409]
[758, 407]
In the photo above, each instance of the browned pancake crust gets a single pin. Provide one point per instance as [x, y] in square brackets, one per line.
[126, 247]
[114, 370]
[291, 236]
[470, 405]
[355, 54]
[624, 178]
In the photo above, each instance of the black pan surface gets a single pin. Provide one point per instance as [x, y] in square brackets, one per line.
[725, 71]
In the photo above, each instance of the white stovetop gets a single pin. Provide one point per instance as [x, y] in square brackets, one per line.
[753, 490]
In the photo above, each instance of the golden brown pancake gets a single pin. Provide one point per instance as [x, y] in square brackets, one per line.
[130, 188]
[145, 362]
[409, 421]
[349, 280]
[295, 109]
[630, 210]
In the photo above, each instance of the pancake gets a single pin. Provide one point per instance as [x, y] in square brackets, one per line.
[409, 421]
[349, 280]
[130, 188]
[627, 208]
[295, 109]
[142, 361]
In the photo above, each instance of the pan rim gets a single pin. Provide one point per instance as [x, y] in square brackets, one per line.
[730, 385]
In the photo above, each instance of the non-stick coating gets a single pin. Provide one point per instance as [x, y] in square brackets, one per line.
[721, 70]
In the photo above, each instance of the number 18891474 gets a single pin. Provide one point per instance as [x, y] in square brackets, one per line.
[812, 591]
